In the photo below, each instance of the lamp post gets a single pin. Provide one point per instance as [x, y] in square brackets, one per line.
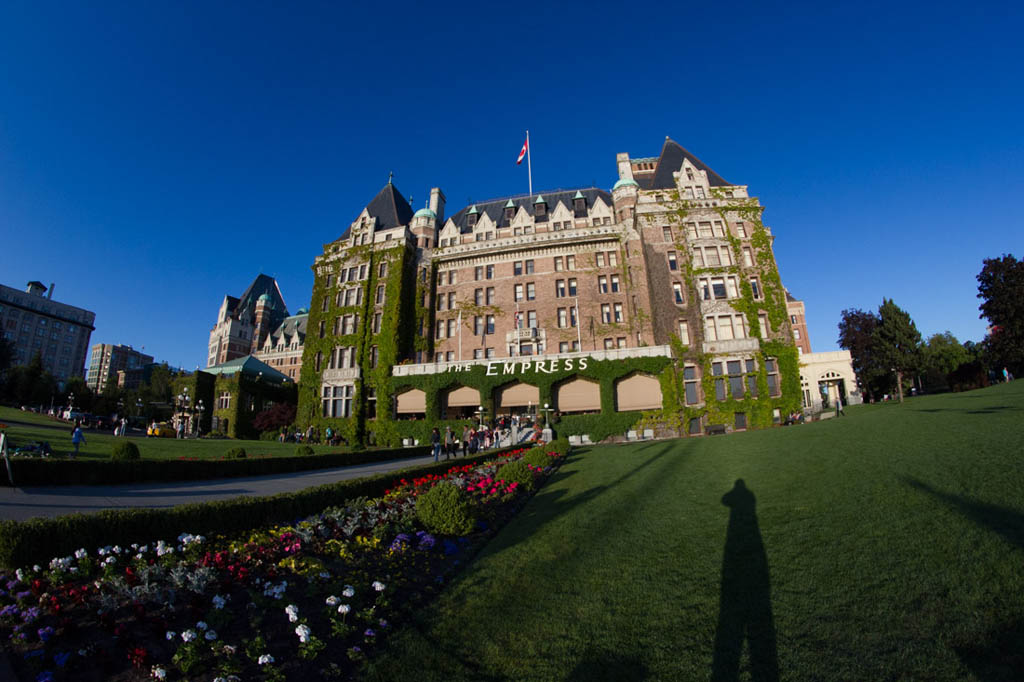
[71, 404]
[480, 412]
[547, 415]
[199, 423]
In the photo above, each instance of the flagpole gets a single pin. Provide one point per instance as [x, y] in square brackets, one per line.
[529, 168]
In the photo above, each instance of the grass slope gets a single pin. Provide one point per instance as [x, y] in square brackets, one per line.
[26, 427]
[888, 545]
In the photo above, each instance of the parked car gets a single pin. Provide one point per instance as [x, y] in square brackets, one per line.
[161, 430]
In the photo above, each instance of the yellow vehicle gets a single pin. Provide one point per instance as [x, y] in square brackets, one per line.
[161, 430]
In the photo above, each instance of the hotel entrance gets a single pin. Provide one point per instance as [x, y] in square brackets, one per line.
[517, 399]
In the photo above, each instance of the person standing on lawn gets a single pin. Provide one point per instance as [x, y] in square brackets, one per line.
[77, 438]
[449, 442]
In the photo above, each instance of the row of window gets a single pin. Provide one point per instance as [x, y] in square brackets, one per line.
[355, 273]
[352, 297]
[343, 357]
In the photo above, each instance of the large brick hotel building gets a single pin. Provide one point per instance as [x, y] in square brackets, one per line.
[657, 303]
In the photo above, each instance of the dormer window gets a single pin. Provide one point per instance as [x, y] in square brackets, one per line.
[510, 212]
[579, 205]
[689, 174]
[472, 216]
[540, 210]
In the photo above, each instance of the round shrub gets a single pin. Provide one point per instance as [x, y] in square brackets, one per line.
[446, 509]
[517, 472]
[304, 450]
[538, 457]
[270, 436]
[124, 451]
[235, 453]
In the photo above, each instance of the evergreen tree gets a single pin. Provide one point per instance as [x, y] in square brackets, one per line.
[855, 335]
[1001, 288]
[896, 343]
[941, 356]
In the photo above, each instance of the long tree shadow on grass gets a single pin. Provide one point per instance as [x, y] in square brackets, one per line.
[745, 607]
[604, 665]
[1009, 523]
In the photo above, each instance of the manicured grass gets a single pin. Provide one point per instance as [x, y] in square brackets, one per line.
[887, 545]
[25, 427]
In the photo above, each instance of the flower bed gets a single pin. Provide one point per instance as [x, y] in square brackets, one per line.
[311, 599]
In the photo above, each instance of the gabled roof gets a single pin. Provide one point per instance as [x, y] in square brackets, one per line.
[245, 307]
[670, 161]
[390, 208]
[495, 209]
[250, 367]
[292, 327]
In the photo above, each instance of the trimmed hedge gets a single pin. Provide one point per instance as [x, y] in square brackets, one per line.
[30, 472]
[36, 541]
[124, 451]
[445, 509]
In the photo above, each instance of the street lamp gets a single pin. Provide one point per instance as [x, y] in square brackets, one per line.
[480, 412]
[547, 415]
[71, 404]
[199, 423]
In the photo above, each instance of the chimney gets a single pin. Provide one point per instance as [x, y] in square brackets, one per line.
[49, 295]
[437, 204]
[625, 167]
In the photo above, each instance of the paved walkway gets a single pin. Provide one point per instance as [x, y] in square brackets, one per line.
[19, 504]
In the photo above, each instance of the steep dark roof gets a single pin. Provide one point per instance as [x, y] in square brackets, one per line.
[390, 208]
[670, 161]
[232, 304]
[263, 284]
[495, 208]
[292, 327]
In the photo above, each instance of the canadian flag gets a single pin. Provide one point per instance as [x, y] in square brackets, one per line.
[522, 152]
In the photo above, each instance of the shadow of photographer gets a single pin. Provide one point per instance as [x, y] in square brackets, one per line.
[745, 609]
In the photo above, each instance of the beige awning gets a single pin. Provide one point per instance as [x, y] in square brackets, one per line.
[578, 395]
[638, 392]
[519, 395]
[412, 402]
[464, 396]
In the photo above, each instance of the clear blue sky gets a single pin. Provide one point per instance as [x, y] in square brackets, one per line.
[156, 156]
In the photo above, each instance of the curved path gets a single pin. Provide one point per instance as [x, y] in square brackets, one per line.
[19, 504]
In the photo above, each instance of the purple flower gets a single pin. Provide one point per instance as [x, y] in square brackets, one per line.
[11, 584]
[30, 614]
[370, 633]
[61, 659]
[45, 676]
[426, 541]
[45, 633]
[10, 610]
[23, 595]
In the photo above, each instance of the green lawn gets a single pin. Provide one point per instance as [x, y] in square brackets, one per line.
[25, 427]
[887, 545]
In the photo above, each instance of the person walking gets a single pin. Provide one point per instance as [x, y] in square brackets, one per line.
[465, 440]
[449, 442]
[435, 441]
[181, 429]
[77, 438]
[839, 406]
[1006, 375]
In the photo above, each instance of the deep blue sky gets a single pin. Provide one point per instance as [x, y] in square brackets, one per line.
[157, 156]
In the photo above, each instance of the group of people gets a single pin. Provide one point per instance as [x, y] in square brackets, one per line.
[471, 441]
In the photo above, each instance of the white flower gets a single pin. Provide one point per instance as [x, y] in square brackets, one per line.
[332, 601]
[220, 679]
[81, 554]
[159, 673]
[344, 608]
[188, 635]
[171, 634]
[211, 635]
[138, 556]
[144, 548]
[349, 591]
[378, 585]
[20, 574]
[37, 568]
[116, 549]
[228, 649]
[293, 612]
[202, 625]
[325, 575]
[265, 659]
[219, 601]
[303, 632]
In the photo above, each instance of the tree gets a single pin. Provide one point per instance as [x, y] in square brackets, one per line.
[1001, 288]
[81, 391]
[940, 357]
[274, 417]
[855, 335]
[895, 342]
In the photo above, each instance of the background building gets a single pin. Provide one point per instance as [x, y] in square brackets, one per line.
[657, 303]
[244, 323]
[34, 323]
[108, 360]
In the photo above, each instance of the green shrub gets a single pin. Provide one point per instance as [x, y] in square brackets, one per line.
[235, 453]
[517, 472]
[446, 509]
[125, 450]
[537, 457]
[270, 436]
[304, 450]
